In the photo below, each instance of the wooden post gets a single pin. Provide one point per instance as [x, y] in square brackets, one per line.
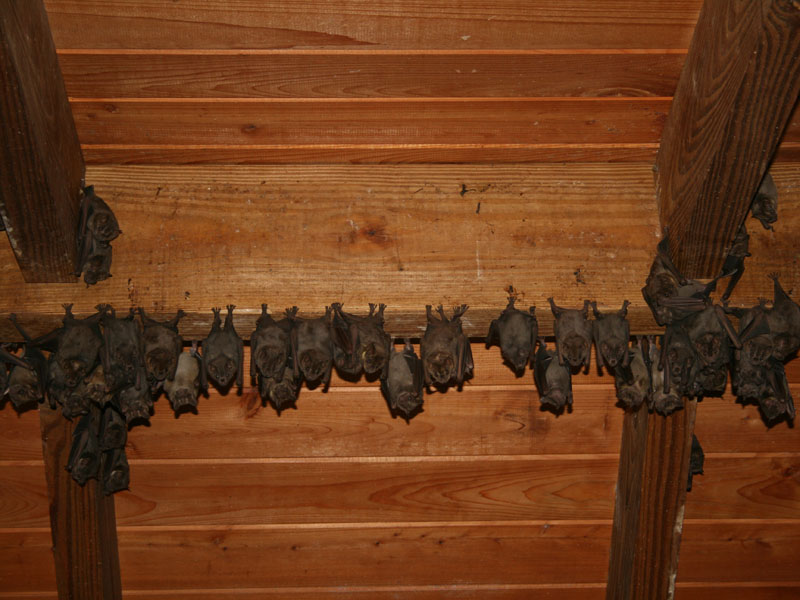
[81, 519]
[41, 165]
[734, 99]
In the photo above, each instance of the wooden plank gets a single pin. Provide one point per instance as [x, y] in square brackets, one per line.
[41, 167]
[369, 74]
[756, 591]
[373, 24]
[734, 99]
[345, 121]
[81, 521]
[27, 564]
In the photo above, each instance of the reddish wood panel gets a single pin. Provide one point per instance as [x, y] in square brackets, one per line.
[368, 74]
[373, 24]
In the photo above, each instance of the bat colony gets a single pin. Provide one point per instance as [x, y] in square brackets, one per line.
[106, 371]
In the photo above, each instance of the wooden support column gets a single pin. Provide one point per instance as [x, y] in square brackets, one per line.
[736, 92]
[41, 165]
[81, 519]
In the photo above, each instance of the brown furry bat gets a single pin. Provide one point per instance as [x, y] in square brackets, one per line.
[184, 387]
[312, 347]
[161, 347]
[402, 382]
[573, 334]
[632, 380]
[553, 380]
[223, 353]
[516, 332]
[611, 333]
[445, 350]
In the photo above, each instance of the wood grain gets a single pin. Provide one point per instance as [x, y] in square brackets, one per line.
[372, 23]
[41, 167]
[369, 74]
[734, 99]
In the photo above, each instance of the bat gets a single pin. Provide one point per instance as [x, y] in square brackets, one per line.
[98, 227]
[84, 454]
[96, 388]
[678, 361]
[573, 334]
[778, 400]
[116, 472]
[97, 218]
[121, 356]
[76, 401]
[223, 353]
[312, 347]
[445, 350]
[765, 202]
[79, 346]
[282, 392]
[516, 332]
[135, 404]
[184, 387]
[161, 347]
[26, 383]
[611, 333]
[553, 379]
[670, 296]
[6, 358]
[712, 334]
[402, 381]
[366, 335]
[696, 459]
[632, 380]
[113, 429]
[662, 400]
[96, 266]
[749, 380]
[734, 261]
[784, 323]
[57, 388]
[270, 346]
[344, 335]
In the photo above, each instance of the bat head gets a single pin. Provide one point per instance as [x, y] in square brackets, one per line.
[284, 392]
[160, 363]
[772, 407]
[666, 403]
[103, 225]
[785, 344]
[271, 359]
[117, 479]
[85, 467]
[97, 266]
[375, 357]
[184, 397]
[575, 348]
[406, 403]
[76, 403]
[314, 364]
[749, 381]
[74, 370]
[709, 347]
[614, 351]
[96, 388]
[713, 380]
[630, 396]
[135, 404]
[23, 387]
[222, 369]
[556, 399]
[440, 366]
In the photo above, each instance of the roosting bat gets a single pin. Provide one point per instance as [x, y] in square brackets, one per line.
[97, 218]
[98, 226]
[161, 346]
[84, 455]
[76, 401]
[765, 202]
[135, 404]
[26, 383]
[113, 429]
[734, 261]
[696, 459]
[116, 472]
[270, 345]
[79, 344]
[402, 381]
[553, 380]
[184, 388]
[344, 334]
[784, 323]
[96, 388]
[611, 333]
[661, 400]
[632, 380]
[445, 350]
[573, 334]
[223, 350]
[712, 335]
[122, 350]
[312, 347]
[516, 332]
[96, 265]
[6, 358]
[678, 361]
[778, 401]
[57, 389]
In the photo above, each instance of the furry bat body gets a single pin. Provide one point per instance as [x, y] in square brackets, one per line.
[573, 333]
[121, 356]
[98, 227]
[662, 400]
[312, 347]
[778, 401]
[26, 383]
[76, 401]
[223, 353]
[632, 380]
[765, 202]
[611, 333]
[184, 388]
[679, 361]
[360, 343]
[113, 429]
[281, 391]
[96, 265]
[553, 380]
[270, 346]
[344, 335]
[784, 323]
[79, 346]
[84, 455]
[696, 459]
[6, 358]
[402, 381]
[116, 472]
[445, 350]
[516, 332]
[712, 335]
[135, 404]
[96, 388]
[161, 347]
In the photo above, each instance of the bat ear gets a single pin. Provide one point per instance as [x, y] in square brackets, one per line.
[594, 309]
[557, 310]
[623, 312]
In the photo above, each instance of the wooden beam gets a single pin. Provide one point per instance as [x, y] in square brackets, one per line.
[734, 98]
[41, 166]
[82, 521]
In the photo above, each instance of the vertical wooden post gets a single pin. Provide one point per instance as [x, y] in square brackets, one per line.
[81, 519]
[41, 165]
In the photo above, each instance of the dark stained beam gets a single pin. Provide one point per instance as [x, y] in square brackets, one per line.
[41, 165]
[734, 98]
[82, 521]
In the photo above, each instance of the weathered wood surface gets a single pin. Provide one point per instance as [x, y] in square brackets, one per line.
[83, 529]
[734, 98]
[41, 167]
[372, 24]
[369, 73]
[404, 235]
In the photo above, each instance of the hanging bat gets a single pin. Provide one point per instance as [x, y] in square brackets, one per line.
[679, 361]
[402, 381]
[6, 358]
[553, 380]
[184, 387]
[26, 383]
[373, 341]
[573, 334]
[632, 380]
[97, 218]
[712, 334]
[750, 362]
[312, 347]
[749, 380]
[270, 346]
[661, 400]
[121, 356]
[135, 404]
[84, 454]
[223, 353]
[96, 388]
[161, 347]
[116, 472]
[113, 429]
[784, 323]
[282, 392]
[611, 333]
[79, 346]
[57, 389]
[516, 332]
[778, 401]
[96, 264]
[734, 261]
[445, 350]
[670, 296]
[765, 202]
[696, 459]
[76, 401]
[98, 226]
[344, 335]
